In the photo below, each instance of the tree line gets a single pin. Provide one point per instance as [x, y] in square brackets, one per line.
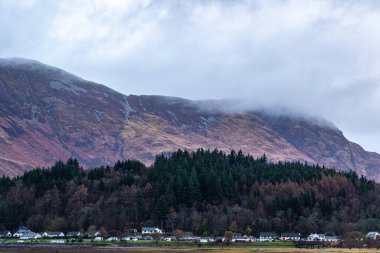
[205, 192]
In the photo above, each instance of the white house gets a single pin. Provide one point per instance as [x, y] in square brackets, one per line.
[74, 234]
[290, 236]
[30, 235]
[94, 234]
[331, 238]
[169, 239]
[20, 231]
[203, 240]
[98, 238]
[5, 233]
[52, 234]
[267, 236]
[150, 230]
[244, 238]
[112, 238]
[316, 237]
[373, 235]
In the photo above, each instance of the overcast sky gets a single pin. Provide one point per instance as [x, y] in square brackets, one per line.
[317, 57]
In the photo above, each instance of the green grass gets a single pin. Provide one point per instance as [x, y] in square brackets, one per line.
[153, 243]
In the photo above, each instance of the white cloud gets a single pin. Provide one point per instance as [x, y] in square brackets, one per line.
[319, 57]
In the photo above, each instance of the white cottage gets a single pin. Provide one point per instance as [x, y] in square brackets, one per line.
[5, 233]
[267, 237]
[52, 234]
[150, 230]
[21, 231]
[30, 235]
[316, 237]
[373, 235]
[290, 236]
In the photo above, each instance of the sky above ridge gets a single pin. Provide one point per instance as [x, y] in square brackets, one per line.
[321, 58]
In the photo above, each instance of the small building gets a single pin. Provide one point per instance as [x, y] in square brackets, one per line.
[53, 234]
[206, 239]
[188, 238]
[373, 235]
[267, 237]
[20, 231]
[332, 238]
[5, 233]
[203, 240]
[98, 239]
[73, 234]
[30, 235]
[170, 238]
[237, 235]
[133, 231]
[93, 234]
[243, 238]
[289, 236]
[136, 238]
[150, 230]
[316, 237]
[112, 238]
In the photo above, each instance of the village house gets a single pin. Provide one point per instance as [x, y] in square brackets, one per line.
[239, 237]
[290, 236]
[316, 237]
[267, 237]
[5, 233]
[206, 239]
[112, 238]
[133, 231]
[53, 234]
[150, 230]
[21, 231]
[74, 234]
[30, 235]
[332, 238]
[93, 234]
[203, 240]
[373, 235]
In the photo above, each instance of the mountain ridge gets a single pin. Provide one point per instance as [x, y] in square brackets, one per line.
[48, 114]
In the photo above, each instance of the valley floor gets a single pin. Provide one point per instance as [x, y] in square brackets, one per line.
[58, 249]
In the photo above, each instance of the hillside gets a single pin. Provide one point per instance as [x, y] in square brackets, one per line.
[47, 114]
[205, 192]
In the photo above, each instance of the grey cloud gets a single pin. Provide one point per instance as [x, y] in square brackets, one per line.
[319, 58]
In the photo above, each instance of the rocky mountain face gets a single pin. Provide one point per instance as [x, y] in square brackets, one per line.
[47, 114]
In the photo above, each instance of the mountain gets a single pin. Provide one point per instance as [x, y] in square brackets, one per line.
[47, 114]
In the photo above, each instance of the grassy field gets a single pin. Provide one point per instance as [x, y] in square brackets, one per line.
[182, 250]
[87, 246]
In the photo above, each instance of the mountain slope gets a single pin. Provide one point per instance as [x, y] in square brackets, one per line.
[47, 114]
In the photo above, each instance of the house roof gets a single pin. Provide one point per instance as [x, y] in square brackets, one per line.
[149, 228]
[22, 230]
[290, 234]
[30, 234]
[54, 232]
[93, 233]
[267, 234]
[74, 233]
[4, 232]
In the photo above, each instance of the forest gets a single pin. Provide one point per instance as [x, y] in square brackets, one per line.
[205, 192]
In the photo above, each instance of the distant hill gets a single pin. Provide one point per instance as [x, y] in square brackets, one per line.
[47, 114]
